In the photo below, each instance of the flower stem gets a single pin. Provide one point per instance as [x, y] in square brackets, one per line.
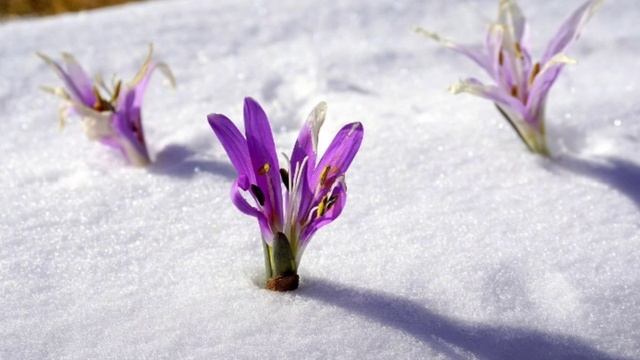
[535, 140]
[280, 265]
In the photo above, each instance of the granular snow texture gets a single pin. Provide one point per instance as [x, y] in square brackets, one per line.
[456, 243]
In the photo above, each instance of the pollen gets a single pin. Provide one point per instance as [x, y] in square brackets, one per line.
[264, 170]
[501, 58]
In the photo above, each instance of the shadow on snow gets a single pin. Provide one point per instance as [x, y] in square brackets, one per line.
[178, 161]
[446, 334]
[619, 174]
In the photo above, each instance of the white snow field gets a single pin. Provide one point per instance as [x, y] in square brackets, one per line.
[456, 243]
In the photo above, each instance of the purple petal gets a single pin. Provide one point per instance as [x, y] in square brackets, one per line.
[474, 52]
[510, 16]
[307, 143]
[542, 84]
[538, 95]
[331, 214]
[333, 165]
[493, 93]
[75, 79]
[233, 143]
[141, 85]
[494, 48]
[262, 152]
[80, 79]
[516, 56]
[340, 152]
[127, 121]
[242, 184]
[570, 29]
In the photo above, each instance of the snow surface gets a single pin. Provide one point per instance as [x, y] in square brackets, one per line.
[455, 242]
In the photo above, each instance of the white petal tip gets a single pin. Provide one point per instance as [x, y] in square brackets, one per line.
[456, 88]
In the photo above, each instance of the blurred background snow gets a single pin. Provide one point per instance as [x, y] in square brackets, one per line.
[455, 243]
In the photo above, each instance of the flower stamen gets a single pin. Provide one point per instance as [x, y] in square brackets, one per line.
[324, 174]
[284, 175]
[534, 72]
[518, 49]
[258, 194]
[264, 170]
[322, 206]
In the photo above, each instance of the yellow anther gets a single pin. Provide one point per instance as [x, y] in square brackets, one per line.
[322, 207]
[324, 174]
[534, 72]
[264, 169]
[518, 50]
[514, 91]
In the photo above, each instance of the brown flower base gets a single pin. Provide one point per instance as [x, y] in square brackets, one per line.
[283, 282]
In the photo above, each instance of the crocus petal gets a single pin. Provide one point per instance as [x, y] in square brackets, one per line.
[494, 48]
[127, 121]
[330, 215]
[510, 16]
[262, 152]
[473, 52]
[307, 143]
[570, 29]
[517, 57]
[242, 183]
[333, 165]
[494, 93]
[141, 80]
[542, 84]
[341, 151]
[75, 78]
[79, 77]
[97, 124]
[233, 143]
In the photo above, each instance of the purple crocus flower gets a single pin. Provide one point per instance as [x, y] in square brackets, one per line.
[521, 85]
[110, 114]
[293, 201]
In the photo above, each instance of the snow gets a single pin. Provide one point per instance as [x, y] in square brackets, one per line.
[456, 243]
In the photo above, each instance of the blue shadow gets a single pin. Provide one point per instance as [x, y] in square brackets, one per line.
[619, 174]
[179, 161]
[446, 334]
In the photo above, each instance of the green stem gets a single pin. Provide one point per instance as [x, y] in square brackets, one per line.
[535, 140]
[280, 264]
[279, 258]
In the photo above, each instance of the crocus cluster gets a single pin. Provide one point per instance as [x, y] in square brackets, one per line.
[110, 114]
[294, 196]
[521, 85]
[293, 201]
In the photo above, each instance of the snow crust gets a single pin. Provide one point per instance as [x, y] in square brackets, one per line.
[455, 243]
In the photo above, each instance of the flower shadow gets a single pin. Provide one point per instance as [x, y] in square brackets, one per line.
[178, 161]
[622, 175]
[449, 335]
